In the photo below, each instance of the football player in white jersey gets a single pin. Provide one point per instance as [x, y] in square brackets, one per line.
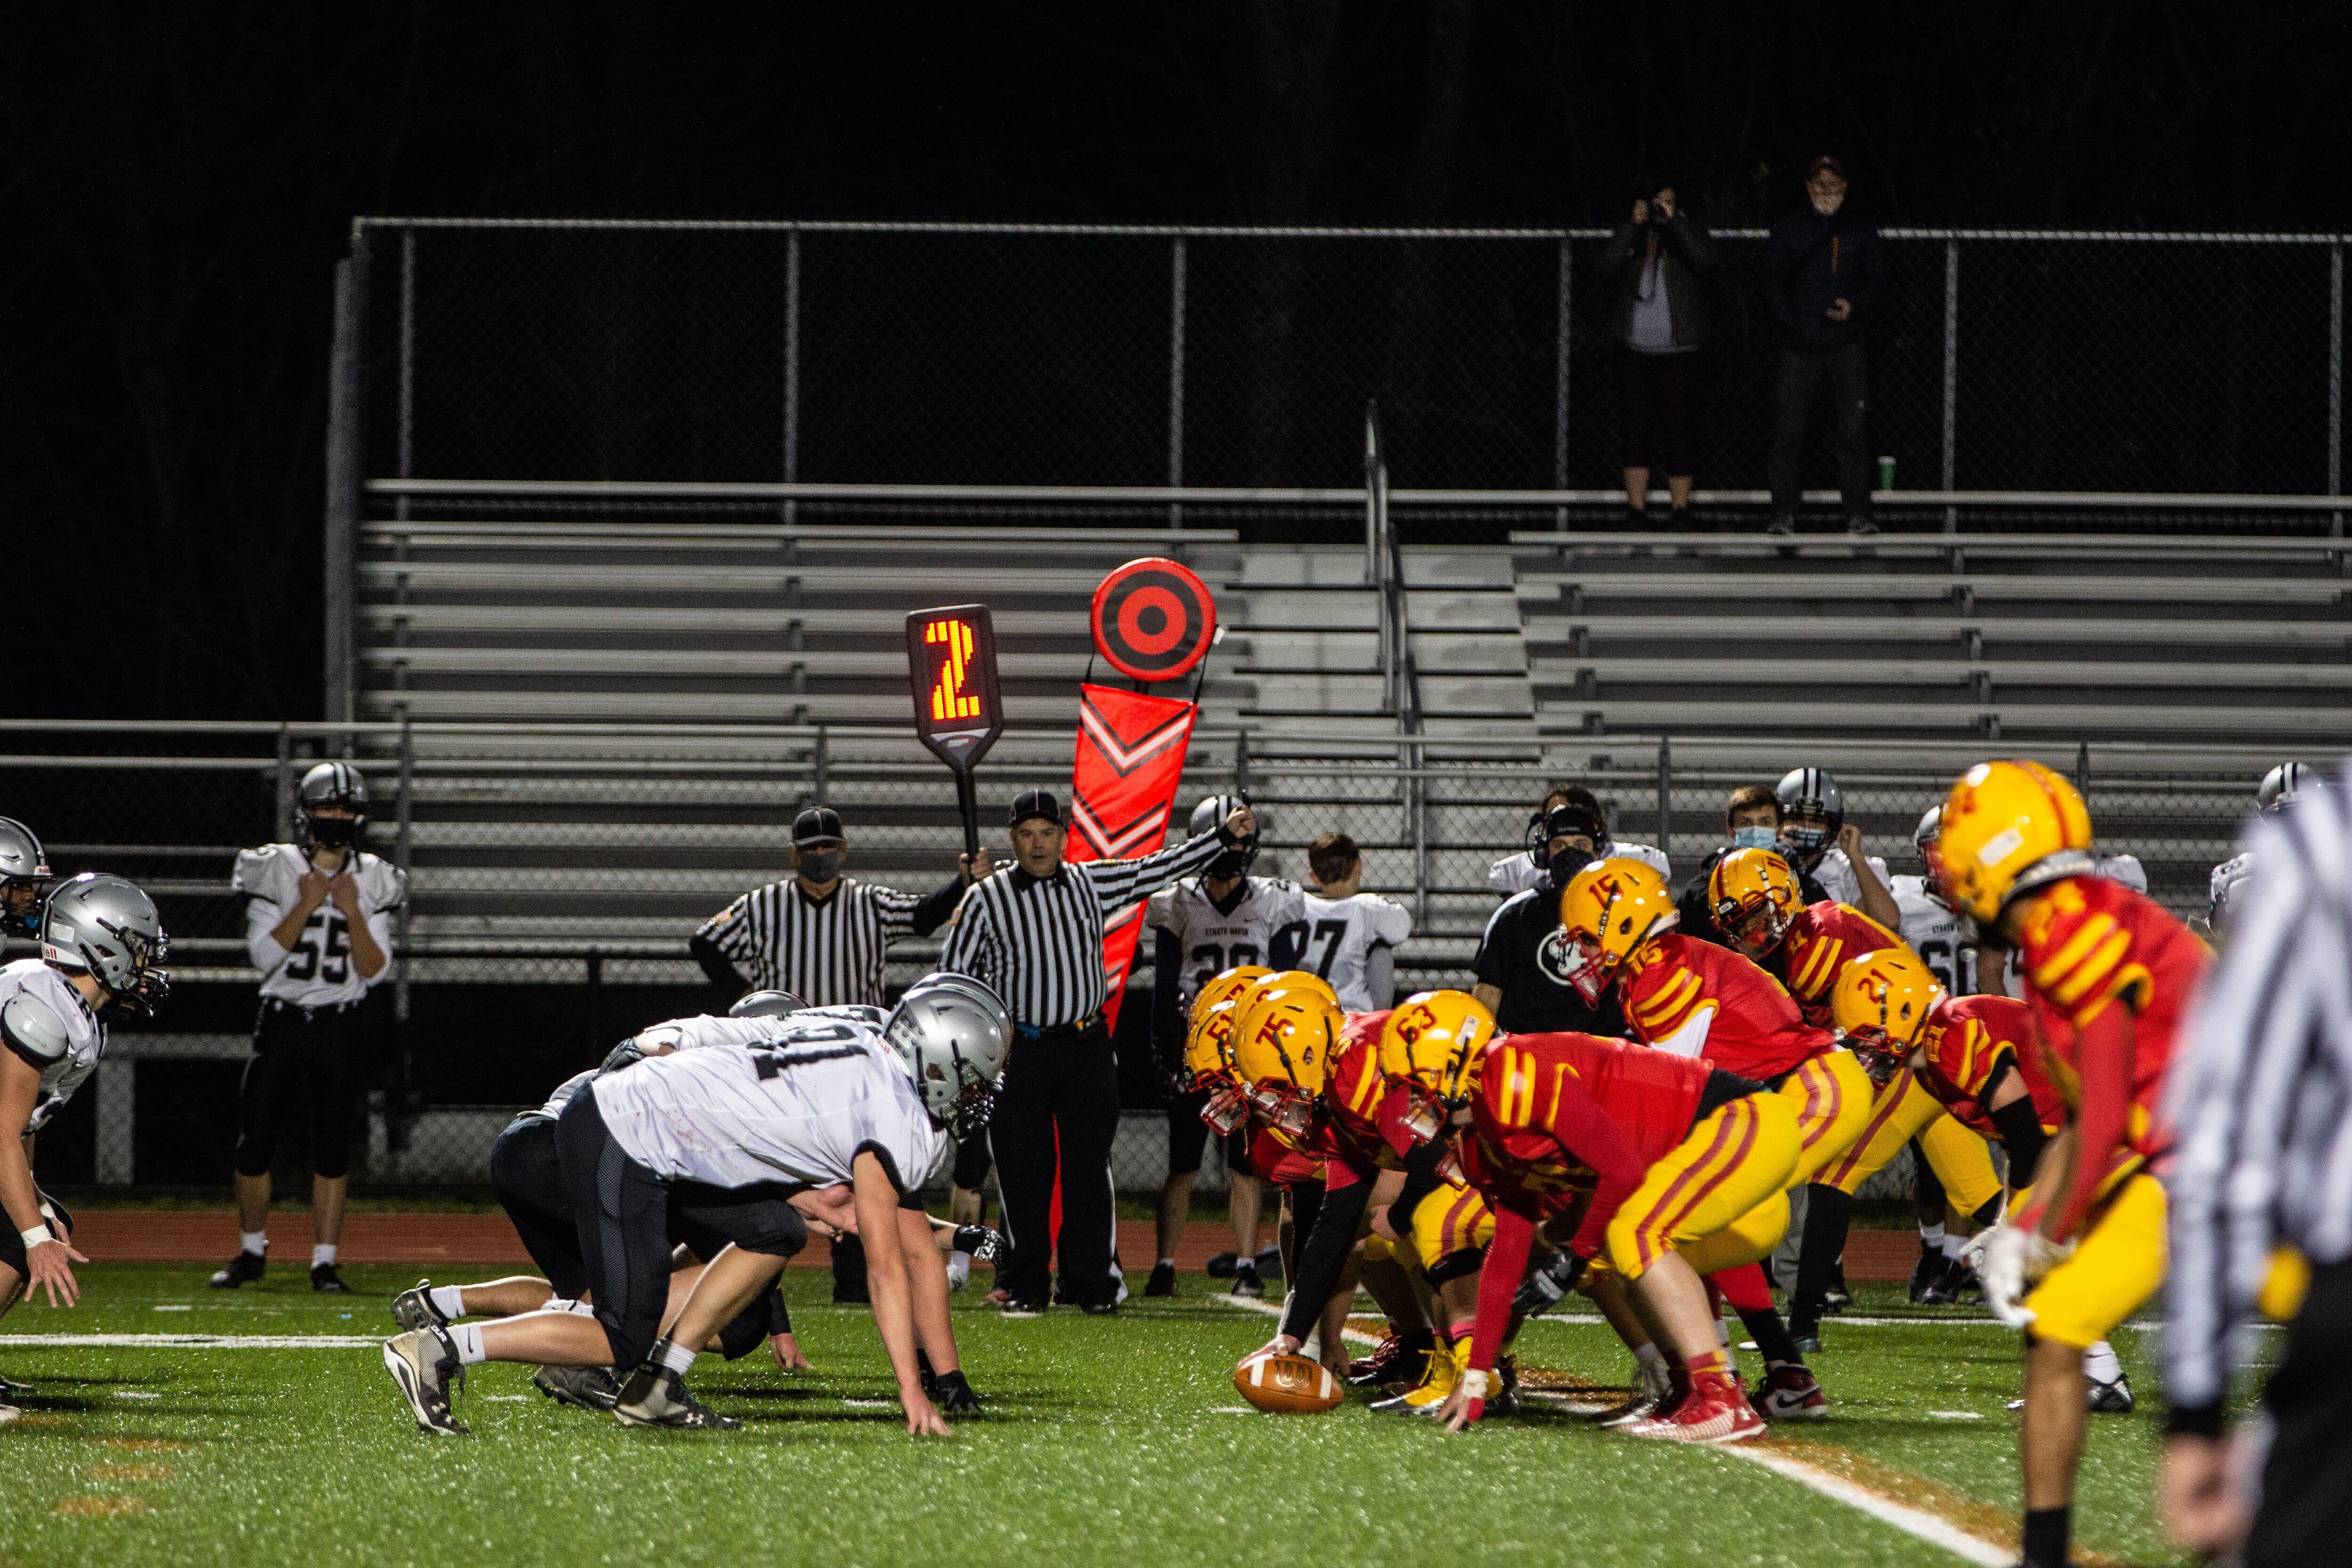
[1347, 936]
[1223, 919]
[24, 882]
[1945, 939]
[102, 949]
[2280, 787]
[318, 924]
[1821, 843]
[728, 1135]
[1516, 873]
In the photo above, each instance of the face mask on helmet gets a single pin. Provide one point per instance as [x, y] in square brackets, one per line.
[1586, 969]
[820, 865]
[334, 832]
[1757, 930]
[1234, 863]
[20, 907]
[1804, 842]
[1226, 1110]
[1425, 1113]
[1755, 837]
[968, 1117]
[1287, 1111]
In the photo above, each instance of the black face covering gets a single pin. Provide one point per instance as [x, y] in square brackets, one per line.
[820, 865]
[1562, 867]
[334, 832]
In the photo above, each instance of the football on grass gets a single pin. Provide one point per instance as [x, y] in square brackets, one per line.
[1288, 1385]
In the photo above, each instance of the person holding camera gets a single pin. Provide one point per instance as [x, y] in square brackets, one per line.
[1658, 263]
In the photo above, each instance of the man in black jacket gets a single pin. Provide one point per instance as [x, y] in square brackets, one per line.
[1824, 274]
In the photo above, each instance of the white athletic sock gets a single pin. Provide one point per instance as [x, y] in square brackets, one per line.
[1313, 1349]
[2101, 1364]
[959, 1270]
[1649, 1355]
[1954, 1245]
[448, 1301]
[255, 1241]
[322, 1253]
[675, 1356]
[1166, 1263]
[468, 1338]
[1932, 1235]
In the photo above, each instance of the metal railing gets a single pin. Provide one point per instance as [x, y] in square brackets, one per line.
[557, 871]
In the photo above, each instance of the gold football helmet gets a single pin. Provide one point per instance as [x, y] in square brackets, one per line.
[1225, 986]
[1209, 1058]
[1754, 895]
[1609, 909]
[1282, 1047]
[2009, 827]
[1881, 1001]
[1432, 1044]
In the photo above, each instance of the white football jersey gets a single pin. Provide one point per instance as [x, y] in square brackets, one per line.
[1836, 875]
[789, 1100]
[85, 1035]
[2224, 886]
[1336, 938]
[1516, 873]
[678, 1034]
[317, 971]
[1215, 940]
[1945, 939]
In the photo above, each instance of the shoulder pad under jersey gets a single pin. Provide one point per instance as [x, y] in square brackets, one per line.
[33, 1029]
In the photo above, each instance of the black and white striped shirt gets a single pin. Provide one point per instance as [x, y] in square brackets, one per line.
[826, 951]
[1039, 941]
[2262, 1098]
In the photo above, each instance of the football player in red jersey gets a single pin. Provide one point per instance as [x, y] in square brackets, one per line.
[1694, 999]
[1803, 945]
[2108, 975]
[1631, 1152]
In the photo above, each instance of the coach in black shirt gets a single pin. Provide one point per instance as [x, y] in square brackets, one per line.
[1521, 977]
[1033, 932]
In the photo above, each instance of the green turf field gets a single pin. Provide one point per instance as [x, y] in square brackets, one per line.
[1105, 1440]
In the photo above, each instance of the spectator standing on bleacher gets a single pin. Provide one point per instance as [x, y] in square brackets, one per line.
[1825, 275]
[821, 936]
[1659, 262]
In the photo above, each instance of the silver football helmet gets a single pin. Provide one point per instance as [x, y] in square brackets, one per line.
[765, 1005]
[1207, 818]
[107, 926]
[331, 784]
[2286, 783]
[950, 1032]
[23, 879]
[1813, 810]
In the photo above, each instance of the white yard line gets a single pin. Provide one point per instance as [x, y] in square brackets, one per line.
[186, 1342]
[1914, 1523]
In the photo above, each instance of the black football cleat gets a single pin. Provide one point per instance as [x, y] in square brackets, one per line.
[1162, 1281]
[326, 1282]
[1246, 1284]
[656, 1396]
[2111, 1398]
[1221, 1265]
[414, 1307]
[243, 1269]
[1269, 1263]
[588, 1388]
[1926, 1274]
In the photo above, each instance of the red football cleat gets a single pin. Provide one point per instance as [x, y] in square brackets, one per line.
[1713, 1415]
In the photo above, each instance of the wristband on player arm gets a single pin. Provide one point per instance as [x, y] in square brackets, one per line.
[35, 1237]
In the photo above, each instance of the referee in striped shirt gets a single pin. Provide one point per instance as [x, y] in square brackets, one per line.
[1034, 933]
[823, 936]
[2262, 1199]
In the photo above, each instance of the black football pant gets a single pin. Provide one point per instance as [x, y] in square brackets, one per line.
[2306, 1515]
[300, 1050]
[1793, 389]
[1059, 1083]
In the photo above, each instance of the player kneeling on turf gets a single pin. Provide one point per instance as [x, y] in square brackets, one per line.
[102, 951]
[811, 1101]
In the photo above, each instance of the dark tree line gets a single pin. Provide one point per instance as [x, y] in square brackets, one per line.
[176, 182]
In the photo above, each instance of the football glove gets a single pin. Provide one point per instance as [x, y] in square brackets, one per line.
[1547, 1282]
[2009, 1261]
[953, 1395]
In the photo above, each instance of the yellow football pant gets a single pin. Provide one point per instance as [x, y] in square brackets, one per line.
[2119, 1265]
[1738, 1159]
[1831, 1095]
[1451, 1219]
[1901, 1112]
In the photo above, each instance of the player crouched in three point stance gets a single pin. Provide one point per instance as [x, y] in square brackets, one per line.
[102, 949]
[318, 921]
[767, 1111]
[2108, 974]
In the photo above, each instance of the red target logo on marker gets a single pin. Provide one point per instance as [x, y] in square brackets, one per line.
[1154, 619]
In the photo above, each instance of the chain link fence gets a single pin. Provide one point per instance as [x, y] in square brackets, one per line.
[556, 875]
[976, 355]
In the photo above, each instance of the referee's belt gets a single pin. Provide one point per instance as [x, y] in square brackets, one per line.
[1047, 1031]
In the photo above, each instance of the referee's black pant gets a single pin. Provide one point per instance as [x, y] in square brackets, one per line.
[2306, 1515]
[1061, 1085]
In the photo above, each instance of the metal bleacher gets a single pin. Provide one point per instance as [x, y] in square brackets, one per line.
[2070, 638]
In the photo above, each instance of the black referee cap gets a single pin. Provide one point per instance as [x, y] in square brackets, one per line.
[1039, 804]
[818, 825]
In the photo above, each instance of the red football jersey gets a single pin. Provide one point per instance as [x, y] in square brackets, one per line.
[1964, 1038]
[1756, 1031]
[1277, 1160]
[1360, 1109]
[1821, 940]
[1556, 1115]
[2090, 944]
